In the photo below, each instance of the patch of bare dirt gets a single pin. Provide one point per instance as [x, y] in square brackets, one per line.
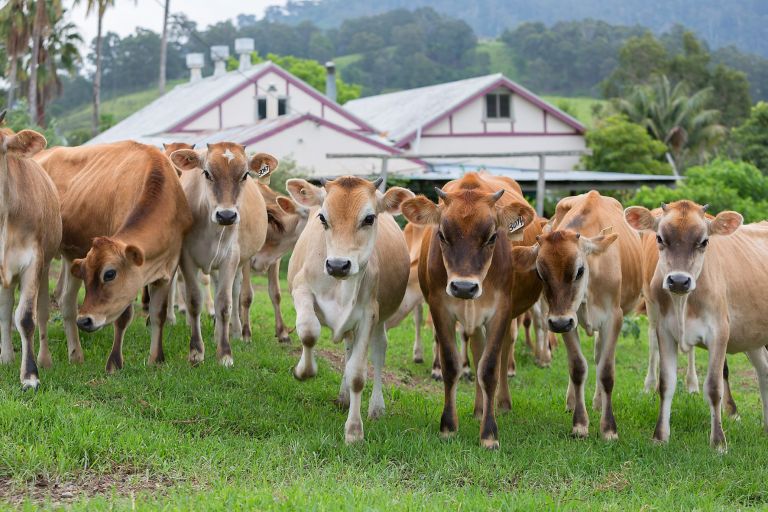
[60, 492]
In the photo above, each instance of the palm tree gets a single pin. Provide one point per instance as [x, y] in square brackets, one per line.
[678, 119]
[164, 48]
[45, 12]
[16, 27]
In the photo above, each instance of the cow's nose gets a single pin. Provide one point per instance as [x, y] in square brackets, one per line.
[464, 289]
[338, 267]
[561, 324]
[679, 283]
[85, 323]
[226, 217]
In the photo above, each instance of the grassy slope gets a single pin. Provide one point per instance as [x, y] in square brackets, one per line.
[252, 437]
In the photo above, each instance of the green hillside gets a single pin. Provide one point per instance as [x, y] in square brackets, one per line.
[502, 59]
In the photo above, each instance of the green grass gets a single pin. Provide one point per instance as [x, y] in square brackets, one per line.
[580, 107]
[251, 437]
[501, 56]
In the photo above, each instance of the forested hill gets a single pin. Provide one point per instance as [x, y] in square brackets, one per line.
[720, 22]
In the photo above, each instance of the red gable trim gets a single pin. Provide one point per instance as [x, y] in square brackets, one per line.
[517, 89]
[290, 79]
[332, 126]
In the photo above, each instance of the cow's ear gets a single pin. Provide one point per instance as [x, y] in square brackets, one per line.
[287, 205]
[641, 218]
[261, 166]
[78, 269]
[513, 218]
[725, 223]
[305, 193]
[186, 159]
[524, 258]
[421, 211]
[597, 244]
[135, 255]
[392, 199]
[25, 144]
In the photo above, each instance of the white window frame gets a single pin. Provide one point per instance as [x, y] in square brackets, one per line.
[498, 93]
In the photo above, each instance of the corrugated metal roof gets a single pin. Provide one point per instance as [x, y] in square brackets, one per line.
[177, 104]
[399, 113]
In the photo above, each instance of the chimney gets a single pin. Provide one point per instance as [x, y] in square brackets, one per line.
[195, 63]
[243, 47]
[219, 55]
[330, 80]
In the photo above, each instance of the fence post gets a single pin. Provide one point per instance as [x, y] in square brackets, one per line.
[540, 187]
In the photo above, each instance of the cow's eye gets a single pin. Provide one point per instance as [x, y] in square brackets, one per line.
[580, 273]
[703, 244]
[110, 275]
[491, 240]
[245, 176]
[322, 220]
[441, 237]
[659, 240]
[207, 175]
[369, 219]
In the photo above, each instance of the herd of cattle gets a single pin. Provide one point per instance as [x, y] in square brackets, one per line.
[127, 218]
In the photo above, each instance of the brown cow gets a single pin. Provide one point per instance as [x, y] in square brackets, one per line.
[30, 234]
[466, 275]
[588, 281]
[124, 216]
[707, 291]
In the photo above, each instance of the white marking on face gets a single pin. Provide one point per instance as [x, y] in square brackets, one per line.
[228, 155]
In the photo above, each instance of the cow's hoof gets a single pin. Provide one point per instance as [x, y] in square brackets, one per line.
[114, 364]
[418, 359]
[76, 356]
[511, 373]
[196, 357]
[342, 402]
[437, 375]
[304, 375]
[45, 361]
[284, 338]
[580, 431]
[353, 433]
[375, 412]
[610, 436]
[447, 434]
[489, 444]
[226, 361]
[504, 406]
[7, 357]
[32, 382]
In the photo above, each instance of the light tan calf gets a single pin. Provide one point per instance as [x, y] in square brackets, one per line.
[124, 217]
[30, 234]
[592, 282]
[708, 290]
[349, 271]
[229, 227]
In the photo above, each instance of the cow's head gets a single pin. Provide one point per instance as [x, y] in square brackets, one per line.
[112, 279]
[468, 223]
[560, 261]
[348, 213]
[24, 144]
[170, 147]
[682, 234]
[286, 219]
[224, 168]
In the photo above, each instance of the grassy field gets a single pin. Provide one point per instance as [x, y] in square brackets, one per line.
[251, 437]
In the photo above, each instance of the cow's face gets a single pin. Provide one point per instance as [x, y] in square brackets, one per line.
[468, 223]
[112, 275]
[286, 220]
[348, 214]
[560, 261]
[682, 234]
[224, 168]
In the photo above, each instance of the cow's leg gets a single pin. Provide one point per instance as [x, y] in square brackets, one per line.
[378, 356]
[509, 353]
[476, 342]
[6, 325]
[343, 398]
[145, 299]
[418, 323]
[235, 324]
[730, 403]
[205, 280]
[488, 372]
[503, 398]
[246, 299]
[224, 293]
[355, 373]
[115, 359]
[667, 382]
[597, 403]
[59, 284]
[273, 278]
[466, 371]
[43, 313]
[445, 339]
[527, 321]
[605, 374]
[158, 303]
[759, 359]
[26, 319]
[308, 330]
[691, 379]
[170, 312]
[544, 343]
[193, 305]
[181, 290]
[653, 353]
[713, 386]
[437, 369]
[577, 368]
[69, 313]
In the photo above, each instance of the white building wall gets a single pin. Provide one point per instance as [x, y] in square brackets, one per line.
[307, 144]
[240, 109]
[528, 117]
[554, 125]
[208, 121]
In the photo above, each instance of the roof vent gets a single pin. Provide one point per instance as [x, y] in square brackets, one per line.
[243, 47]
[219, 55]
[330, 80]
[195, 63]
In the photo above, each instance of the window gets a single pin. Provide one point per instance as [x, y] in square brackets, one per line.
[282, 106]
[261, 108]
[498, 106]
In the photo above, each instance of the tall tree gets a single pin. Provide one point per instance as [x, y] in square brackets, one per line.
[16, 27]
[164, 48]
[45, 12]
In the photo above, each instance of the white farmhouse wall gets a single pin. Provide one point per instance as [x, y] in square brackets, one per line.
[208, 121]
[555, 125]
[307, 144]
